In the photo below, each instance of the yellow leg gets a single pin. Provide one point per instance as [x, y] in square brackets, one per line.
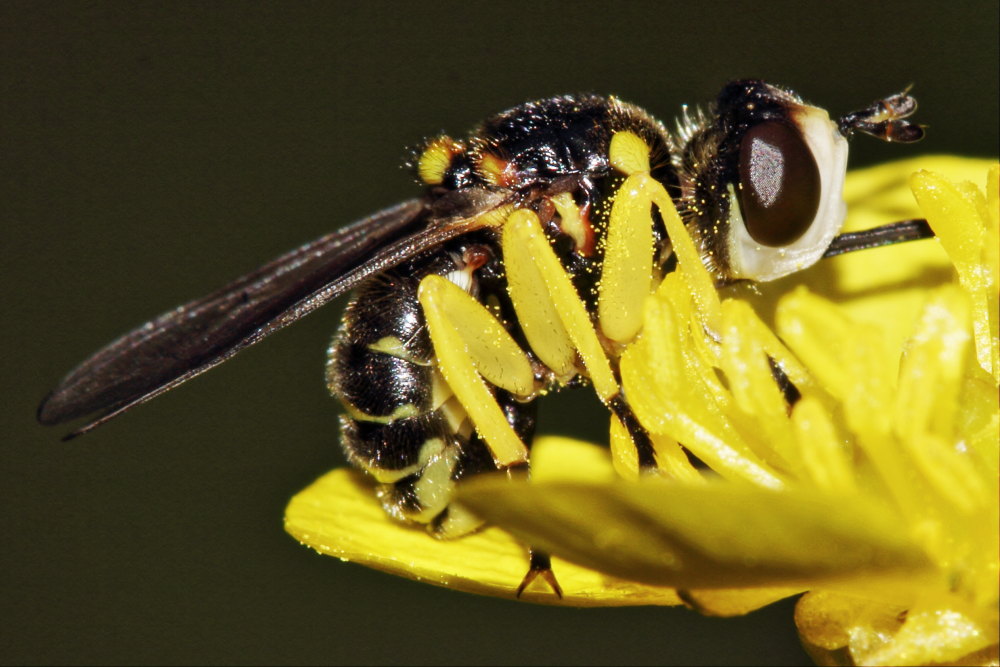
[556, 322]
[471, 345]
[627, 274]
[473, 348]
[554, 319]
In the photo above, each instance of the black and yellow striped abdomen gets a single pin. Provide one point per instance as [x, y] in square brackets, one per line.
[403, 425]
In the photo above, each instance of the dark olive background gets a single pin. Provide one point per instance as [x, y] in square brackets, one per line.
[151, 153]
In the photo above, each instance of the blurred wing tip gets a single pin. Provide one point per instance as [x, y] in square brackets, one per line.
[48, 413]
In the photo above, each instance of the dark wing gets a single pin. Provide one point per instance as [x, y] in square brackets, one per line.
[193, 338]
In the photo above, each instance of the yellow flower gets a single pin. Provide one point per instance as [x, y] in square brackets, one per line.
[877, 492]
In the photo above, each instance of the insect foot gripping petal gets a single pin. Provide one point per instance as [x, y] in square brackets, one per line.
[540, 567]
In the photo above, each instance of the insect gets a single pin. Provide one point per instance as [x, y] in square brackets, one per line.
[521, 269]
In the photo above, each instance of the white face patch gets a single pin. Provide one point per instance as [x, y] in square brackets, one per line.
[755, 261]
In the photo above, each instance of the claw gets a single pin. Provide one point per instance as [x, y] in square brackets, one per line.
[540, 566]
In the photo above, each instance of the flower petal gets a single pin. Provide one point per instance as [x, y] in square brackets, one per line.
[831, 624]
[881, 285]
[966, 226]
[707, 536]
[935, 636]
[734, 601]
[338, 515]
[838, 629]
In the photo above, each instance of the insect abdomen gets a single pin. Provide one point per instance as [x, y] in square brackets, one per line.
[403, 425]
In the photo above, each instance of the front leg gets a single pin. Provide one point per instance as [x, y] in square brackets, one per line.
[473, 348]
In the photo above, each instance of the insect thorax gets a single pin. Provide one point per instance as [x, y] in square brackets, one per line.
[552, 155]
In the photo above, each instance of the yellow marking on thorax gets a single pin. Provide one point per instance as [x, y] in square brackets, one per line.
[496, 171]
[572, 223]
[436, 158]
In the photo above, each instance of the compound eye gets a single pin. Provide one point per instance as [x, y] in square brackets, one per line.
[779, 184]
